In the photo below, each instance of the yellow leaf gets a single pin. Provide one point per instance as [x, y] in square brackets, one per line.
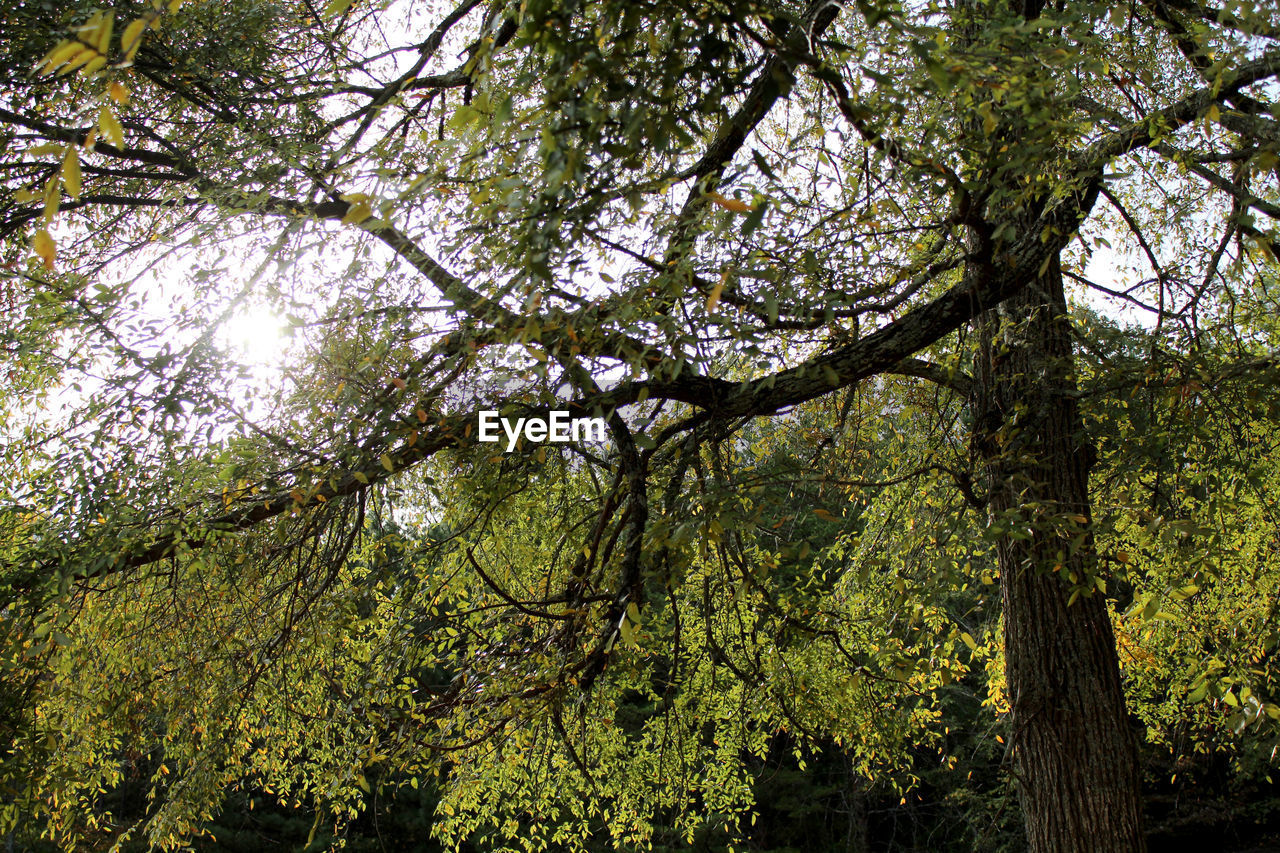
[174, 5]
[988, 119]
[61, 52]
[52, 196]
[1213, 114]
[71, 171]
[118, 92]
[88, 32]
[731, 204]
[387, 463]
[315, 825]
[95, 65]
[131, 38]
[110, 126]
[25, 195]
[357, 213]
[44, 248]
[336, 8]
[713, 298]
[82, 58]
[104, 32]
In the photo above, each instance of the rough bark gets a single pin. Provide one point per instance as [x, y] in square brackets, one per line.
[1074, 753]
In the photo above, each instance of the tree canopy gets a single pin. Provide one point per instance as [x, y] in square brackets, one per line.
[936, 344]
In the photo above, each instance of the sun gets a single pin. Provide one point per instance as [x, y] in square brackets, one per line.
[256, 337]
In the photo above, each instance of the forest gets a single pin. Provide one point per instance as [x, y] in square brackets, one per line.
[621, 425]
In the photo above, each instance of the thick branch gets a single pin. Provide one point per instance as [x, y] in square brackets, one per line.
[1150, 128]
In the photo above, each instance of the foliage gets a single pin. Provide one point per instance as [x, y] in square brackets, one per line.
[768, 243]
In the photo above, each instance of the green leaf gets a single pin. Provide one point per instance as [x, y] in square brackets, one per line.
[336, 8]
[763, 165]
[753, 219]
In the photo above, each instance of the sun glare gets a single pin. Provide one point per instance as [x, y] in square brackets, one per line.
[257, 337]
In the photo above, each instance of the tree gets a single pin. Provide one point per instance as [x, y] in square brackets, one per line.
[685, 218]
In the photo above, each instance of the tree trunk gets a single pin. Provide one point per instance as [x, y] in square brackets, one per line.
[1073, 750]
